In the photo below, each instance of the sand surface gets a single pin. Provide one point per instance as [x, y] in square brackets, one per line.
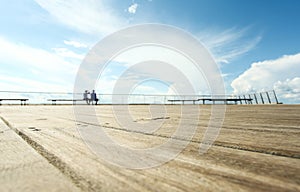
[257, 149]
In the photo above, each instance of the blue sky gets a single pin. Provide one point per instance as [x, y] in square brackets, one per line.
[254, 42]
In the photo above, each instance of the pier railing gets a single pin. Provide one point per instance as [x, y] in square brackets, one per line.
[267, 97]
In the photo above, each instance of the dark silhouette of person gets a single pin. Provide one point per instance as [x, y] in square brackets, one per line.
[94, 97]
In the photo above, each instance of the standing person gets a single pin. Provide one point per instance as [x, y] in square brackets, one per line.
[85, 96]
[94, 97]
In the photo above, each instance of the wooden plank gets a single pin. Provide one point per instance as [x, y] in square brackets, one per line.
[23, 169]
[257, 149]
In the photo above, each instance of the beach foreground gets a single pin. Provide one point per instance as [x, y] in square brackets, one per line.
[258, 149]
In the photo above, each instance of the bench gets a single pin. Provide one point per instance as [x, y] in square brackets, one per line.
[183, 100]
[225, 100]
[23, 101]
[73, 100]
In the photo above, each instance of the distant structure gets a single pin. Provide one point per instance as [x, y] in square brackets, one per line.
[9, 97]
[268, 97]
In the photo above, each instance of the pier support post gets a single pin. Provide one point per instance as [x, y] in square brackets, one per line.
[255, 98]
[268, 97]
[262, 99]
[275, 97]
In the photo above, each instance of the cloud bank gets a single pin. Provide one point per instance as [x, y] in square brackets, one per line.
[281, 74]
[91, 17]
[30, 67]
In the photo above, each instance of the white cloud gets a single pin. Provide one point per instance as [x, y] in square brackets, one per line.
[9, 83]
[229, 44]
[105, 85]
[132, 8]
[66, 53]
[144, 89]
[18, 87]
[75, 44]
[28, 66]
[289, 89]
[181, 63]
[20, 54]
[281, 74]
[87, 16]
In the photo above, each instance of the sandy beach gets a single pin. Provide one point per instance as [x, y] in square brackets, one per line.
[258, 149]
